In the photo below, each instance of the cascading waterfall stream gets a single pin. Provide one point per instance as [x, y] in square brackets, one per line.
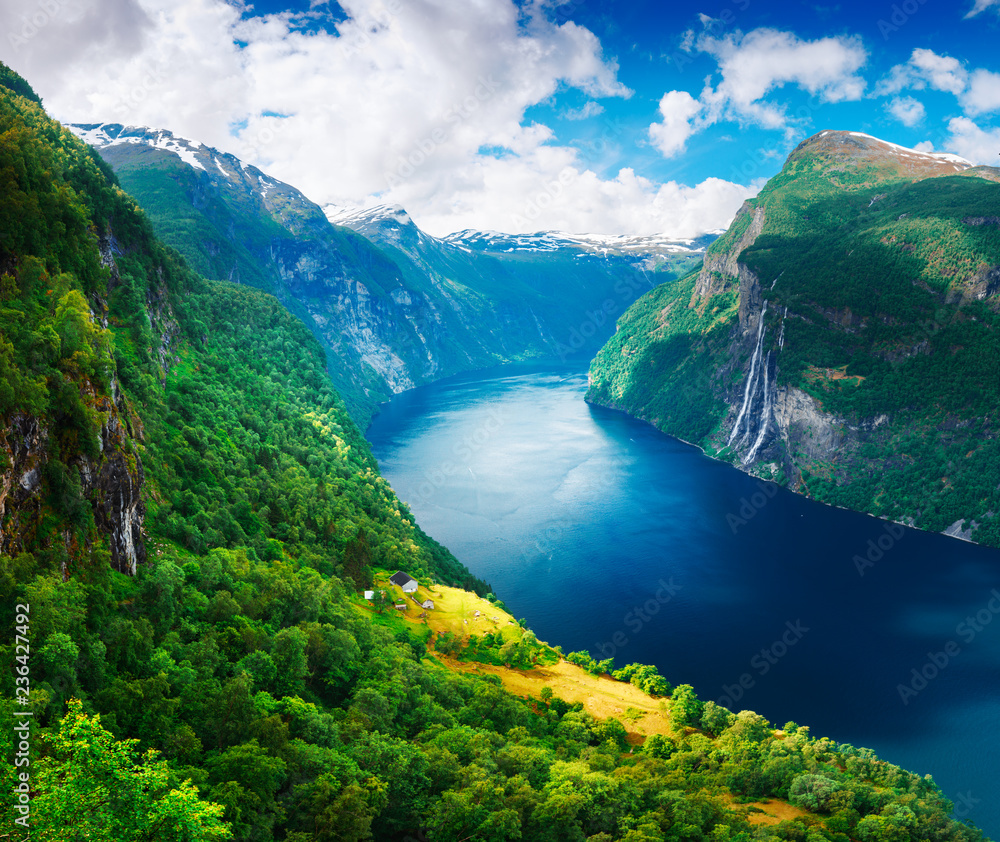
[748, 390]
[765, 414]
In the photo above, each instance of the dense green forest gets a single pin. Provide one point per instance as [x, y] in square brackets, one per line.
[881, 306]
[236, 687]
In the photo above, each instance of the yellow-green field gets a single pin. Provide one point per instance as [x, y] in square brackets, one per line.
[601, 696]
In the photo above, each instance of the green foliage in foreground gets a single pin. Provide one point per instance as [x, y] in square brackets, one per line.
[240, 655]
[88, 785]
[644, 676]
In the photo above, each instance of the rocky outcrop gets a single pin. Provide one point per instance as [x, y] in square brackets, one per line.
[116, 490]
[23, 444]
[809, 433]
[722, 265]
[985, 283]
[110, 484]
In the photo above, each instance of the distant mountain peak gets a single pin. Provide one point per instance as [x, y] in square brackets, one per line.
[585, 244]
[389, 220]
[864, 148]
[103, 135]
[207, 159]
[350, 216]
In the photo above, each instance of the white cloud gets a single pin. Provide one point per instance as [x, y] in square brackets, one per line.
[981, 6]
[589, 109]
[907, 110]
[133, 61]
[678, 110]
[755, 64]
[752, 66]
[899, 78]
[396, 103]
[983, 94]
[977, 91]
[525, 196]
[970, 141]
[925, 68]
[943, 73]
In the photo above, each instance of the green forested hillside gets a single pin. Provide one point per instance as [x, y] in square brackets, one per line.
[236, 687]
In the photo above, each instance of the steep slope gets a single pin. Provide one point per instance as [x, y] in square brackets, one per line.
[401, 310]
[841, 337]
[236, 687]
[232, 222]
[70, 440]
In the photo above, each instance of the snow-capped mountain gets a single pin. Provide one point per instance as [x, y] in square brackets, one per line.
[214, 164]
[392, 222]
[596, 244]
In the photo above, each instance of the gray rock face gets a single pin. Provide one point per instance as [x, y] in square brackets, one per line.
[111, 484]
[116, 491]
[23, 442]
[723, 268]
[806, 429]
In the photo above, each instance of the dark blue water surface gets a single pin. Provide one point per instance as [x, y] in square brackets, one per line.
[609, 536]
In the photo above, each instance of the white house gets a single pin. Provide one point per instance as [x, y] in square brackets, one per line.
[369, 595]
[404, 581]
[428, 603]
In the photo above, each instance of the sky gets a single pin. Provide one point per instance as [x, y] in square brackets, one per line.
[613, 117]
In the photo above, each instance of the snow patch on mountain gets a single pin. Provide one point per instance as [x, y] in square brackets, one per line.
[351, 217]
[387, 217]
[916, 153]
[101, 135]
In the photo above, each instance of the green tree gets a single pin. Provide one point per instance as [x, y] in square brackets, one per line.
[90, 786]
[813, 792]
[685, 707]
[357, 561]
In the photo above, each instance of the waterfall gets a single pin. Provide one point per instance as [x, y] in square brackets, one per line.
[765, 415]
[751, 378]
[781, 335]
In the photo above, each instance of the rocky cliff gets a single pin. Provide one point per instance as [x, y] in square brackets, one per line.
[841, 337]
[48, 489]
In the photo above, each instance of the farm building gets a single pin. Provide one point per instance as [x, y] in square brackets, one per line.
[427, 603]
[404, 581]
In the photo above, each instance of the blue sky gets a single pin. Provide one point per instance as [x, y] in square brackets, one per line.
[610, 117]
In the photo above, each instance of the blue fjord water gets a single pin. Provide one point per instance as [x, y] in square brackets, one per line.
[609, 536]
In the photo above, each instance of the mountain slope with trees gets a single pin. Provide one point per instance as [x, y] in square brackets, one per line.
[842, 338]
